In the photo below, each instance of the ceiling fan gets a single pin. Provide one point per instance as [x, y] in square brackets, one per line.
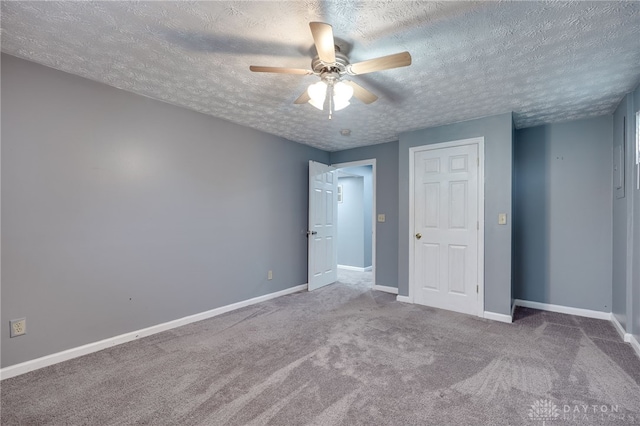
[332, 92]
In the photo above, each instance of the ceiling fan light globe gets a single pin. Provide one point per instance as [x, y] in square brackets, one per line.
[317, 93]
[317, 104]
[339, 104]
[342, 90]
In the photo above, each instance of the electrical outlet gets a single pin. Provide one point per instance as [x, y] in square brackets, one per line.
[270, 275]
[18, 327]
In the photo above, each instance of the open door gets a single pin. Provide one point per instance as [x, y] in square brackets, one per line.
[323, 213]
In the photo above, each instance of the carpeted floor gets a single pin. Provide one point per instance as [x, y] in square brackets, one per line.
[344, 355]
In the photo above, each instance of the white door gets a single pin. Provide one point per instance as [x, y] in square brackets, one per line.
[322, 233]
[446, 228]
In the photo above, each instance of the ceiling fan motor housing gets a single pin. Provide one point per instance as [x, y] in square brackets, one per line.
[339, 66]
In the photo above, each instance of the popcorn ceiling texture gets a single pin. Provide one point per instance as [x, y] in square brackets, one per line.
[546, 62]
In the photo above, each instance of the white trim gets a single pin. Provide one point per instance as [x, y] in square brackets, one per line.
[354, 268]
[513, 309]
[482, 224]
[374, 210]
[412, 151]
[35, 364]
[620, 329]
[564, 309]
[498, 317]
[404, 299]
[626, 337]
[635, 344]
[386, 289]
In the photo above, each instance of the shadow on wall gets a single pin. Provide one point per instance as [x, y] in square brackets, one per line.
[531, 231]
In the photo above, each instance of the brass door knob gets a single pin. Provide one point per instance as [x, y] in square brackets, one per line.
[418, 235]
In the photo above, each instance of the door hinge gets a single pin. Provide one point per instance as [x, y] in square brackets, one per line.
[477, 288]
[478, 160]
[478, 225]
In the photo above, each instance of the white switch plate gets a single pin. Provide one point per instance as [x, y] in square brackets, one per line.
[270, 275]
[381, 218]
[502, 219]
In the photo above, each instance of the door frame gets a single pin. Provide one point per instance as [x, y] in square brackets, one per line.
[479, 141]
[370, 162]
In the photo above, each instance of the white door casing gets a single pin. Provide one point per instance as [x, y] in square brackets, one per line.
[446, 248]
[322, 231]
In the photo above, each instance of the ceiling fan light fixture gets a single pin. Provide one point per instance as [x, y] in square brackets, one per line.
[342, 90]
[339, 104]
[317, 93]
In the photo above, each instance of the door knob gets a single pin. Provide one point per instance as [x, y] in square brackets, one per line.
[311, 233]
[418, 235]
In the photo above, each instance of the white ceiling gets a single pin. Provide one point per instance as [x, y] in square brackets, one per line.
[546, 62]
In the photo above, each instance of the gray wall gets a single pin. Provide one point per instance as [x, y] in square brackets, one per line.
[497, 133]
[120, 212]
[351, 222]
[386, 156]
[563, 228]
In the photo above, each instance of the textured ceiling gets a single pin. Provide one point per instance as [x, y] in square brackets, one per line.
[546, 62]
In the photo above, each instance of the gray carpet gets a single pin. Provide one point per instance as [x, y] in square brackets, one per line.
[344, 355]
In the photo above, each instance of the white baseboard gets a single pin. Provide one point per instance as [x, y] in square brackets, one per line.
[626, 337]
[392, 290]
[634, 344]
[513, 309]
[620, 329]
[354, 268]
[498, 317]
[564, 309]
[35, 364]
[404, 299]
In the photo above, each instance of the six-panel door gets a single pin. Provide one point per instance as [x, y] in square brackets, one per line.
[446, 228]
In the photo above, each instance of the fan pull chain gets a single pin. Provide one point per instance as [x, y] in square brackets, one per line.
[330, 96]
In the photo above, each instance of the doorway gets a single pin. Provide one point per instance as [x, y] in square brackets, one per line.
[447, 226]
[356, 222]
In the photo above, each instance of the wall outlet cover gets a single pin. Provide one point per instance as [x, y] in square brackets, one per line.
[381, 218]
[18, 327]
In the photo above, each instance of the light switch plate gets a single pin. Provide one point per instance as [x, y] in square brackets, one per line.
[502, 219]
[381, 218]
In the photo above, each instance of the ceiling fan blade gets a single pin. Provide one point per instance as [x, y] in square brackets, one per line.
[361, 93]
[280, 70]
[302, 99]
[323, 38]
[383, 63]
